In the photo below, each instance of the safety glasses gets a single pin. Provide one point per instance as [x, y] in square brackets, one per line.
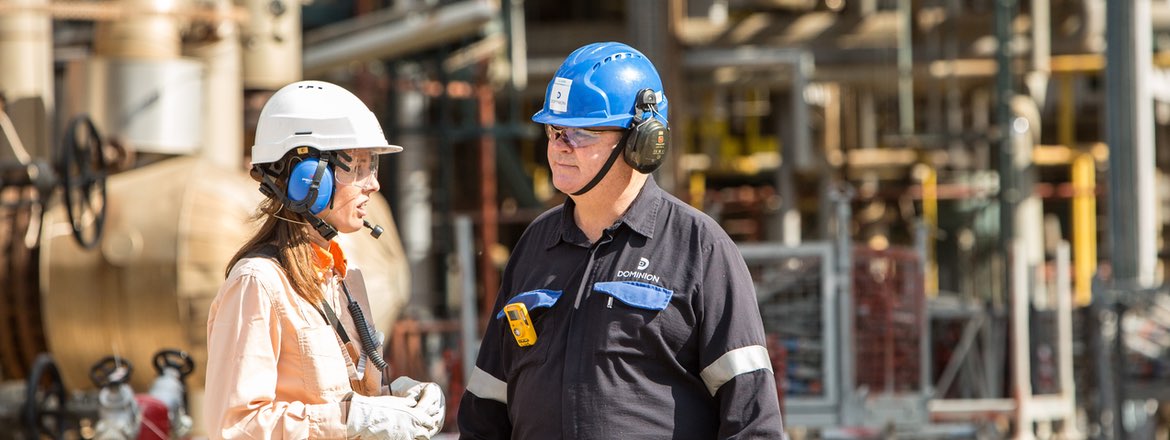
[363, 169]
[574, 137]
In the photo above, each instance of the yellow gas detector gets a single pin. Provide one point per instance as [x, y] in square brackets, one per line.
[522, 328]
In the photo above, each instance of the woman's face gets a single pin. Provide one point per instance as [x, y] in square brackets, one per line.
[352, 191]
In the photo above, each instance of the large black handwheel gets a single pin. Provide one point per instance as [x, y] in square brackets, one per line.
[82, 167]
[43, 413]
[179, 360]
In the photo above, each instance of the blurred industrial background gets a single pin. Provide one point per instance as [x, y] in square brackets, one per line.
[952, 209]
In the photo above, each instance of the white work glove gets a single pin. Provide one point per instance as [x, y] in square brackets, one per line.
[428, 394]
[393, 417]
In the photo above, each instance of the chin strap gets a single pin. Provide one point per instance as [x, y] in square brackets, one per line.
[326, 230]
[613, 155]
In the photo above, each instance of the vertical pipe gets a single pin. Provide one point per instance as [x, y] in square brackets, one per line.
[414, 187]
[930, 221]
[1064, 341]
[981, 123]
[1041, 50]
[150, 34]
[801, 145]
[786, 224]
[26, 81]
[1028, 226]
[469, 326]
[272, 44]
[1084, 225]
[867, 119]
[648, 27]
[751, 121]
[954, 93]
[489, 225]
[843, 271]
[1004, 14]
[833, 116]
[1021, 344]
[1066, 115]
[905, 68]
[518, 49]
[223, 106]
[1129, 129]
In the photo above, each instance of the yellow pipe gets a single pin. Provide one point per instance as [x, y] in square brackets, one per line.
[930, 218]
[1084, 225]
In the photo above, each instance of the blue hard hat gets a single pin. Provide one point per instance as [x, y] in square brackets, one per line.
[597, 86]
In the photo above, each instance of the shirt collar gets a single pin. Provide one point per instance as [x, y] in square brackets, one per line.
[643, 213]
[332, 259]
[639, 217]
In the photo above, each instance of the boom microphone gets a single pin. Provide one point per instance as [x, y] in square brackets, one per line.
[375, 230]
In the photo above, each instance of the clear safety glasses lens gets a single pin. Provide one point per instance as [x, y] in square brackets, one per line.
[574, 137]
[363, 170]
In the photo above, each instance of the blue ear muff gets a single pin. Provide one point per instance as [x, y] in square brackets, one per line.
[300, 182]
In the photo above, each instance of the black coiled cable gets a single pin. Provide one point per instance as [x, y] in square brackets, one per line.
[359, 321]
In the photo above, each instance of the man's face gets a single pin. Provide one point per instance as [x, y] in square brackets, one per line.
[575, 155]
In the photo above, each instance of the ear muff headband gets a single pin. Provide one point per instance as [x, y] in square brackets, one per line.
[648, 141]
[310, 185]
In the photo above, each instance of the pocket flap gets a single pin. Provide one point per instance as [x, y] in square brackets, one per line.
[534, 299]
[636, 294]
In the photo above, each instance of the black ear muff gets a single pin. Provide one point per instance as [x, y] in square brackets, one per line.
[649, 138]
[310, 185]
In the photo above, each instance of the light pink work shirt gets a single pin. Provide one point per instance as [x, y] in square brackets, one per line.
[275, 367]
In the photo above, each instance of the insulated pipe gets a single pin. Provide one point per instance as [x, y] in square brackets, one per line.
[26, 81]
[272, 44]
[151, 34]
[223, 105]
[1037, 79]
[414, 186]
[362, 41]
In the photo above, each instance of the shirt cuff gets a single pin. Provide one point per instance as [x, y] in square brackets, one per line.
[327, 421]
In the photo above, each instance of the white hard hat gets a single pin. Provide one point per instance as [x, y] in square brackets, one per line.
[319, 115]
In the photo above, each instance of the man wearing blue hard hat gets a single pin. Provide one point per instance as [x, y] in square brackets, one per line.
[623, 313]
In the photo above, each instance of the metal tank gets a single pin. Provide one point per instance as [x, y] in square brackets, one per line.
[170, 229]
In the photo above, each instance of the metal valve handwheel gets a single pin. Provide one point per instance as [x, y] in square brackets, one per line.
[178, 360]
[110, 371]
[82, 167]
[43, 413]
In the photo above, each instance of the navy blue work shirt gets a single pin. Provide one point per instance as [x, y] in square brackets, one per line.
[652, 332]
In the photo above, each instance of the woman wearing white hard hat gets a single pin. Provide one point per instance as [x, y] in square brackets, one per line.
[290, 351]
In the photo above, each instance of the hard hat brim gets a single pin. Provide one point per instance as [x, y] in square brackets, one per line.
[547, 117]
[381, 149]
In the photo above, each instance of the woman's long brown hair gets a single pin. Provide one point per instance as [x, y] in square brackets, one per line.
[294, 250]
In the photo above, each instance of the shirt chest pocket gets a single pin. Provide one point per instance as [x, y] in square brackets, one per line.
[538, 304]
[633, 317]
[323, 367]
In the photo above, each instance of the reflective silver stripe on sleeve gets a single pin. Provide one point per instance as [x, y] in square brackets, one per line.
[485, 386]
[734, 363]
